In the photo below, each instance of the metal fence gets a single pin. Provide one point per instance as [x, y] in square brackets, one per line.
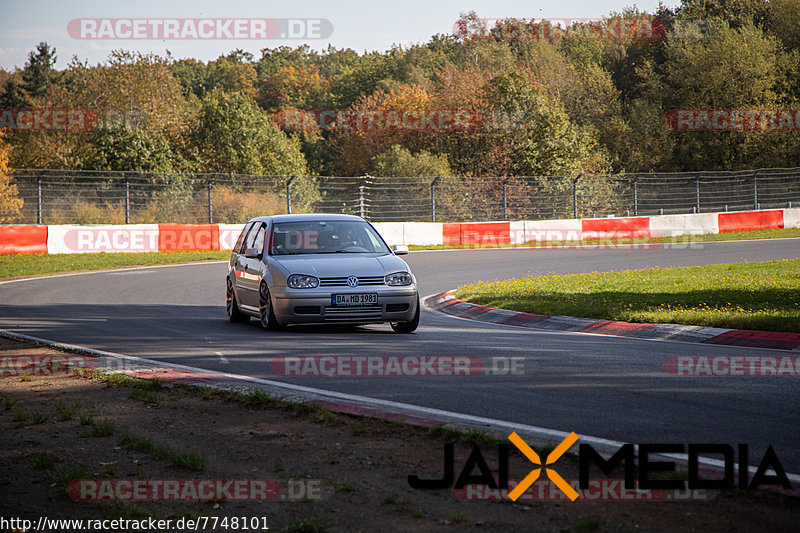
[91, 197]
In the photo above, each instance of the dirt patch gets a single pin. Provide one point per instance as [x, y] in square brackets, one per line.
[329, 472]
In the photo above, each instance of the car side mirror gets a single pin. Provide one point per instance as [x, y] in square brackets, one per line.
[400, 249]
[252, 253]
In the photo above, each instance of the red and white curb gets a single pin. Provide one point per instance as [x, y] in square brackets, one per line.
[446, 302]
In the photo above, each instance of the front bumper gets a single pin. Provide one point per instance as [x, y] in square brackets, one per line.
[298, 306]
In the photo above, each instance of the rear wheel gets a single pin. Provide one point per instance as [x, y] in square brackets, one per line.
[407, 327]
[266, 312]
[231, 307]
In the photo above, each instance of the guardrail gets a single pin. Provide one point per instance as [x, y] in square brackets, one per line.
[57, 239]
[80, 197]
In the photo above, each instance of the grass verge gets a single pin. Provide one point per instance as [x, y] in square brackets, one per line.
[762, 296]
[14, 265]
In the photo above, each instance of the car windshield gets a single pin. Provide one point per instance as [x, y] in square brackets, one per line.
[325, 237]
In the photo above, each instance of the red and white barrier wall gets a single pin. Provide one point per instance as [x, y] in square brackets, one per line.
[168, 237]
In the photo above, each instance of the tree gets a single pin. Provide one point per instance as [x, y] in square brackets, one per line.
[39, 75]
[704, 74]
[10, 202]
[400, 162]
[130, 149]
[234, 135]
[736, 13]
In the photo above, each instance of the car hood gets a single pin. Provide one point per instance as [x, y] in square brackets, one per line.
[336, 265]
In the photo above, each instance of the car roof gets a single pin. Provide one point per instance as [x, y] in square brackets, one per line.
[308, 217]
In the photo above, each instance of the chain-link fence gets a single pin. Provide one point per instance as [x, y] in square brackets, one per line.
[73, 197]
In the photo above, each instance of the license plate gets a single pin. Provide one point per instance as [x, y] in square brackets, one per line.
[354, 299]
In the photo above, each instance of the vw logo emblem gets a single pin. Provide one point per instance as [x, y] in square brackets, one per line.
[352, 281]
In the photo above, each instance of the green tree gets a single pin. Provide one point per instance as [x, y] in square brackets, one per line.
[39, 75]
[704, 74]
[234, 135]
[400, 162]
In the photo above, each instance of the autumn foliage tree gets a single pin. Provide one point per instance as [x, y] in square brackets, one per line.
[10, 202]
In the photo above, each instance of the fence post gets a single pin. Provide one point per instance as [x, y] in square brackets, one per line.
[39, 201]
[505, 200]
[289, 194]
[575, 195]
[361, 186]
[697, 192]
[433, 198]
[636, 196]
[127, 200]
[210, 211]
[755, 189]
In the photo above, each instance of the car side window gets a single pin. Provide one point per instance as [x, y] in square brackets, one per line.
[258, 243]
[240, 241]
[244, 237]
[249, 241]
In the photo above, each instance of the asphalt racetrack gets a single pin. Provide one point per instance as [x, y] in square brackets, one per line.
[609, 387]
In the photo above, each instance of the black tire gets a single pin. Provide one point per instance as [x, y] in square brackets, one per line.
[232, 307]
[266, 316]
[407, 327]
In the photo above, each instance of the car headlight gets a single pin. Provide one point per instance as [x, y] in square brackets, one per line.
[398, 278]
[301, 281]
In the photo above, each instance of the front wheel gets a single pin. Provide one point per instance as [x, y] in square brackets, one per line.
[231, 307]
[407, 327]
[266, 312]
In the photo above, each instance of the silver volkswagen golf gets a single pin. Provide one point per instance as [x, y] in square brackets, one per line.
[306, 269]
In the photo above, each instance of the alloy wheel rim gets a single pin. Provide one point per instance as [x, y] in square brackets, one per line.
[264, 305]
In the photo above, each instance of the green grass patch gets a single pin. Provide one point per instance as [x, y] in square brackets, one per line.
[587, 524]
[457, 518]
[43, 460]
[100, 428]
[314, 524]
[345, 487]
[66, 411]
[146, 396]
[13, 265]
[761, 296]
[187, 460]
[65, 475]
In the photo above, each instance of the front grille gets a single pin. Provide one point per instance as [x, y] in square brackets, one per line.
[306, 309]
[396, 308]
[361, 312]
[342, 281]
